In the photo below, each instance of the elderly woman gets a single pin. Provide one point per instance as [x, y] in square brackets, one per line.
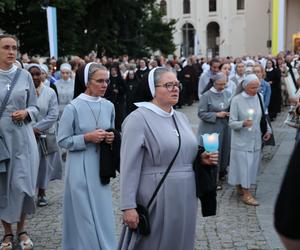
[213, 113]
[65, 87]
[88, 220]
[245, 155]
[44, 128]
[151, 136]
[18, 177]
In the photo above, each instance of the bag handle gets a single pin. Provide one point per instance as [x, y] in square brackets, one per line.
[168, 169]
[261, 106]
[12, 85]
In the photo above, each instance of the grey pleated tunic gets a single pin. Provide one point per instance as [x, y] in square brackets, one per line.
[245, 155]
[211, 103]
[50, 167]
[17, 196]
[88, 219]
[149, 142]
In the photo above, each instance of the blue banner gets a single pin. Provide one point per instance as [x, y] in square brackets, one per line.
[52, 31]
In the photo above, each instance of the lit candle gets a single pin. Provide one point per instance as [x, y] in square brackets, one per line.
[250, 116]
[211, 142]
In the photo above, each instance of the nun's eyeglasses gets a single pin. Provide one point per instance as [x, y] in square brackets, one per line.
[170, 86]
[101, 81]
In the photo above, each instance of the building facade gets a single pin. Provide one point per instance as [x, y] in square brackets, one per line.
[233, 27]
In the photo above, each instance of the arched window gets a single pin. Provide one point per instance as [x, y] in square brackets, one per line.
[240, 4]
[213, 38]
[186, 6]
[163, 7]
[212, 5]
[188, 39]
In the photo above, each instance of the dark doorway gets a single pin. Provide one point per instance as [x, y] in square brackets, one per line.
[213, 38]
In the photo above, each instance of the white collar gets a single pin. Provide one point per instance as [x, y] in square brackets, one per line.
[11, 70]
[89, 98]
[143, 69]
[155, 108]
[244, 94]
[268, 70]
[214, 90]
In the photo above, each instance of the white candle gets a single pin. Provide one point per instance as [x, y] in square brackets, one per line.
[251, 113]
[250, 116]
[211, 142]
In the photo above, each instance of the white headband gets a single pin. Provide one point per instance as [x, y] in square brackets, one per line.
[249, 78]
[151, 80]
[86, 72]
[65, 66]
[31, 65]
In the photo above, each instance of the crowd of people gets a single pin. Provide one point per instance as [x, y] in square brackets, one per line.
[74, 109]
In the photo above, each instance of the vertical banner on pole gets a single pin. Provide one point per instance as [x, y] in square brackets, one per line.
[278, 23]
[52, 31]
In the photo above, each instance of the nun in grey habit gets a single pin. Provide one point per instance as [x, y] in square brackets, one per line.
[50, 167]
[245, 155]
[149, 143]
[18, 180]
[88, 219]
[213, 112]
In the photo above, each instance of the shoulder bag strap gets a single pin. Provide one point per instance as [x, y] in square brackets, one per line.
[12, 85]
[261, 106]
[169, 167]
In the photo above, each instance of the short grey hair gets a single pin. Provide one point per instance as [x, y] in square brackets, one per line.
[158, 73]
[94, 68]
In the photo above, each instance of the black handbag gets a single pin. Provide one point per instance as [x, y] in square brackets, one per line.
[144, 223]
[4, 153]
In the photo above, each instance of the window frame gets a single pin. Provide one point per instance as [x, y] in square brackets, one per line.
[240, 5]
[186, 7]
[212, 3]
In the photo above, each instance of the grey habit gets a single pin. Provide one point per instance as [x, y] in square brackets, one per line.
[65, 91]
[245, 156]
[50, 166]
[210, 103]
[17, 185]
[149, 143]
[88, 219]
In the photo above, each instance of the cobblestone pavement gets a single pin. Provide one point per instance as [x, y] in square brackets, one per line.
[236, 225]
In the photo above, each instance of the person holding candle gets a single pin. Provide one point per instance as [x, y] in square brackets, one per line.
[149, 142]
[213, 112]
[244, 120]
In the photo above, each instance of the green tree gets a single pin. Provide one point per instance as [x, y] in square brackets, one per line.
[111, 27]
[27, 20]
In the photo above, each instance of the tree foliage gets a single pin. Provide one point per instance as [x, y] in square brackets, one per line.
[110, 27]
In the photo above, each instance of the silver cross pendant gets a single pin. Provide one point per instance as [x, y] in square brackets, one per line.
[8, 87]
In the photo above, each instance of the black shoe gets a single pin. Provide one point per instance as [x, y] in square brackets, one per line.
[42, 201]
